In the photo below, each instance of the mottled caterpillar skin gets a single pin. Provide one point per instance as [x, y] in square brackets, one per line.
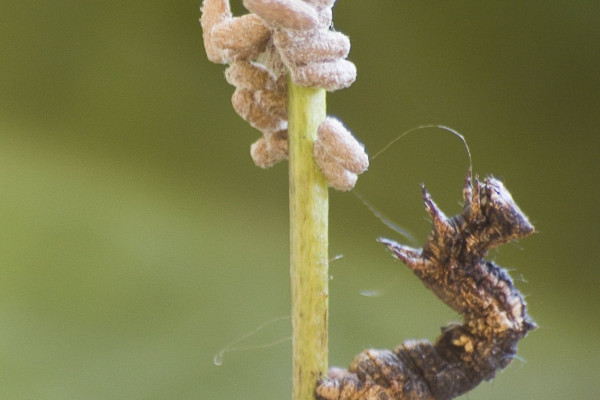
[451, 264]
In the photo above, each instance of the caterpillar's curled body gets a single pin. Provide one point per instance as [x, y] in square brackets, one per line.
[452, 265]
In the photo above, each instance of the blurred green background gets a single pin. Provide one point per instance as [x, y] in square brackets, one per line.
[138, 239]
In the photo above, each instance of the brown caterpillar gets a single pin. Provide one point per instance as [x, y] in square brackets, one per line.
[451, 264]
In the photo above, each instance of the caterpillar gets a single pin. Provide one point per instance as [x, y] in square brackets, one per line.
[452, 265]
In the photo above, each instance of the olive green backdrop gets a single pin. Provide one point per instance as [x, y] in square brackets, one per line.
[137, 239]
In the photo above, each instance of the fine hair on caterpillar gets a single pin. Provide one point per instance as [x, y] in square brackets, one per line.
[423, 127]
[374, 210]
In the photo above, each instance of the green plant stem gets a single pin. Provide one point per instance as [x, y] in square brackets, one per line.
[309, 207]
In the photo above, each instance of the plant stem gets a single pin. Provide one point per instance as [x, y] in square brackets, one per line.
[309, 207]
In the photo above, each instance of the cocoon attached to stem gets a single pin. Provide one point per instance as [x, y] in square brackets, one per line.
[284, 38]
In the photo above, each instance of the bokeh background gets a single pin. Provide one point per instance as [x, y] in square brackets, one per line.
[138, 239]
